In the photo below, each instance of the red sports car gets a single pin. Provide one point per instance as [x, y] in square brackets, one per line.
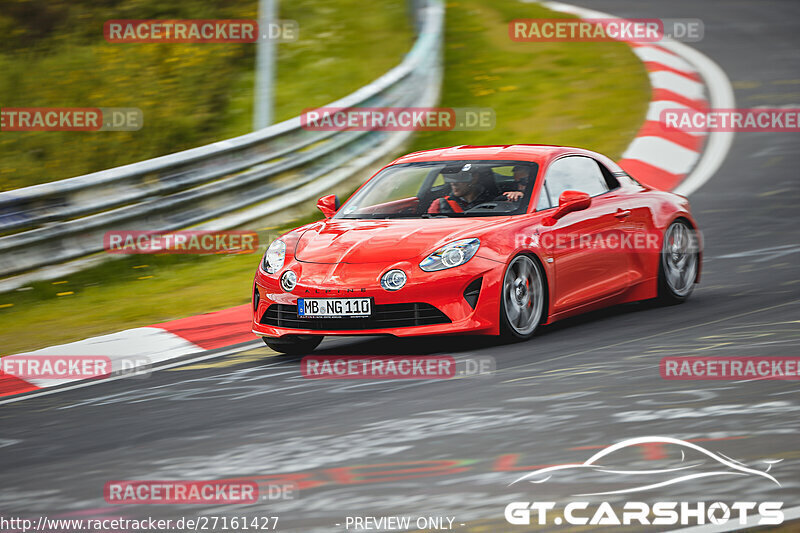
[491, 240]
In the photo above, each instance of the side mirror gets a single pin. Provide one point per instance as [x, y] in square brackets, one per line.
[328, 205]
[570, 201]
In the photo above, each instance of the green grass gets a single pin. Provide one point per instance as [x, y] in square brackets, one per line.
[190, 94]
[586, 94]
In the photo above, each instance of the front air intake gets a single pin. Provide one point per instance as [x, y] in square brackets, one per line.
[472, 292]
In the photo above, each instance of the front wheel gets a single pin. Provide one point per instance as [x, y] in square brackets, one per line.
[523, 298]
[293, 344]
[678, 264]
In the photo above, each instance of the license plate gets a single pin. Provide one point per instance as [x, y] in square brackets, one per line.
[333, 307]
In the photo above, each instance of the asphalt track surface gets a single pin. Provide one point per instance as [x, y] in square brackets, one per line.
[453, 445]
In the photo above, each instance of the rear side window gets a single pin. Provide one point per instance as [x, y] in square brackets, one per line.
[575, 173]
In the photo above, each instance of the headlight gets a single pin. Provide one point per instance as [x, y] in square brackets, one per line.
[393, 280]
[273, 259]
[451, 255]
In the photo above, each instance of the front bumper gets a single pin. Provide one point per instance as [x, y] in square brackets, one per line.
[427, 297]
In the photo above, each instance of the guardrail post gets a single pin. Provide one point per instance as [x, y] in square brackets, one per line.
[265, 66]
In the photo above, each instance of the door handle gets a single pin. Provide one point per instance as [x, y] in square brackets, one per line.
[620, 214]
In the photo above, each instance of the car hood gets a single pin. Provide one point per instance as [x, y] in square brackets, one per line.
[379, 241]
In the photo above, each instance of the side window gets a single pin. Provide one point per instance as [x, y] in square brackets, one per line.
[575, 173]
[544, 201]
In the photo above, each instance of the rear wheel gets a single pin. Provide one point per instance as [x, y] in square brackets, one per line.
[523, 298]
[678, 263]
[294, 344]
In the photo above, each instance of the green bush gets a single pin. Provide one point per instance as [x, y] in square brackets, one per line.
[54, 55]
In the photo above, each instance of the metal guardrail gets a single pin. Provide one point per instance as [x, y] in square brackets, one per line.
[221, 185]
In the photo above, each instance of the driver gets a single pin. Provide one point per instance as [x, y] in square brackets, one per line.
[467, 192]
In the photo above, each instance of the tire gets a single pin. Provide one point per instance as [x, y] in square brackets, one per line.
[522, 298]
[678, 263]
[295, 344]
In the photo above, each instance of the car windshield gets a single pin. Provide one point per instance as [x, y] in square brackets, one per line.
[444, 189]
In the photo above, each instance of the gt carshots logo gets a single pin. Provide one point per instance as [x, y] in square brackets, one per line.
[659, 513]
[695, 463]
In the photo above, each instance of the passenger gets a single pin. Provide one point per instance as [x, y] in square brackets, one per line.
[517, 189]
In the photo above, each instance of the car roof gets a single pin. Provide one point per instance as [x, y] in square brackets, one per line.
[539, 153]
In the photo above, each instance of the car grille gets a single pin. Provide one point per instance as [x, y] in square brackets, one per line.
[383, 316]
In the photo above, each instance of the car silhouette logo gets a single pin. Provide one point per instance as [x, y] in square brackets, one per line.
[686, 471]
